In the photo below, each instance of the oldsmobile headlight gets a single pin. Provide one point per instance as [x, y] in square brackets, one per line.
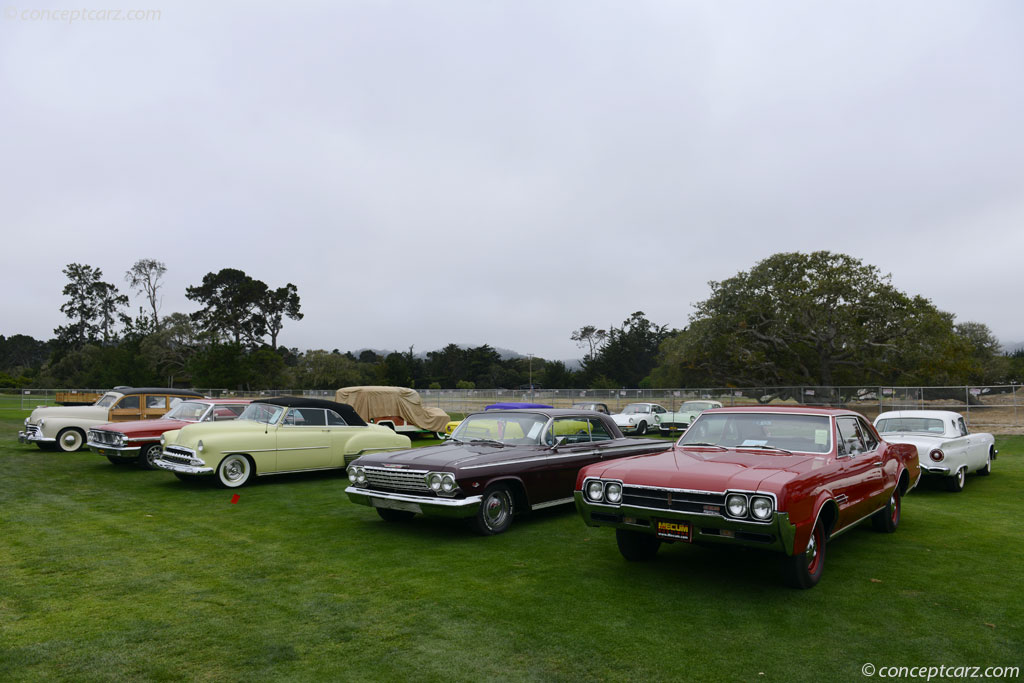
[736, 505]
[595, 490]
[163, 440]
[41, 423]
[613, 492]
[761, 507]
[199, 446]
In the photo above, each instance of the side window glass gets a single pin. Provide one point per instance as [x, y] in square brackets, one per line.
[128, 403]
[850, 442]
[962, 426]
[175, 400]
[870, 443]
[571, 430]
[334, 419]
[598, 432]
[306, 417]
[156, 403]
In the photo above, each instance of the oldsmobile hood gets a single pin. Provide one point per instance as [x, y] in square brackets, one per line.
[707, 469]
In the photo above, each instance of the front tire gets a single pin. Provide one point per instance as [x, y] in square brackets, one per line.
[636, 546]
[641, 429]
[389, 515]
[888, 518]
[804, 570]
[70, 439]
[149, 454]
[957, 481]
[496, 509]
[234, 471]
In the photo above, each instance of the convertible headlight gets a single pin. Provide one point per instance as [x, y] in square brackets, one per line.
[163, 440]
[41, 423]
[736, 505]
[595, 490]
[434, 481]
[613, 492]
[447, 483]
[199, 447]
[761, 507]
[119, 439]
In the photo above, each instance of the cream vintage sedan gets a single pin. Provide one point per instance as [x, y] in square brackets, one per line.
[274, 436]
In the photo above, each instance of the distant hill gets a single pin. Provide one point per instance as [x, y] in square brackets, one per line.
[1010, 347]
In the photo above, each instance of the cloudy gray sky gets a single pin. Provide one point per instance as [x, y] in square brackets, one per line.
[506, 171]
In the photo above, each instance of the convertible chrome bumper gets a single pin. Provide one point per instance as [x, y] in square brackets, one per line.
[935, 469]
[427, 505]
[181, 468]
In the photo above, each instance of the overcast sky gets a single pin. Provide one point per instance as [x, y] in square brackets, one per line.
[507, 171]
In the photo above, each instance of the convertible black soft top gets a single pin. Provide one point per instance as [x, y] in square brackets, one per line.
[347, 412]
[128, 391]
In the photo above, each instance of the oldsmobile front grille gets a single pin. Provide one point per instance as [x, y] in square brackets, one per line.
[179, 451]
[396, 480]
[667, 499]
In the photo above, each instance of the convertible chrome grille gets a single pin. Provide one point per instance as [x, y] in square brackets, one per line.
[179, 459]
[666, 499]
[396, 480]
[105, 437]
[180, 451]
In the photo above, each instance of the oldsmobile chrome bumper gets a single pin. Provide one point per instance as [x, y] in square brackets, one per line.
[713, 528]
[427, 505]
[935, 469]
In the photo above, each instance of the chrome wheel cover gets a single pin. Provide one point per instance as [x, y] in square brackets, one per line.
[235, 469]
[497, 508]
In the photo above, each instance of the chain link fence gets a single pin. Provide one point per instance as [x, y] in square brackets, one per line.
[997, 409]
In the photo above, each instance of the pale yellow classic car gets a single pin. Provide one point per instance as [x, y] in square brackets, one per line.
[274, 436]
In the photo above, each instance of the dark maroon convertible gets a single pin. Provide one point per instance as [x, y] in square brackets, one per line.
[496, 464]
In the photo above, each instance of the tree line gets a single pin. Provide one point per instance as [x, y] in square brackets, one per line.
[794, 319]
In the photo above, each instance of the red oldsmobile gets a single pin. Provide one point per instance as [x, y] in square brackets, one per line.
[787, 479]
[139, 441]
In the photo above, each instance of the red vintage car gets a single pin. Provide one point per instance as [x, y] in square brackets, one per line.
[787, 479]
[139, 441]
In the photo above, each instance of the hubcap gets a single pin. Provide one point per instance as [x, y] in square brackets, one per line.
[812, 551]
[496, 510]
[234, 470]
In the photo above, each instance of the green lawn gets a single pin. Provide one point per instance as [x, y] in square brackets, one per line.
[114, 573]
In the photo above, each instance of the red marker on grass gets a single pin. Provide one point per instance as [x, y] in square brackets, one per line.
[234, 499]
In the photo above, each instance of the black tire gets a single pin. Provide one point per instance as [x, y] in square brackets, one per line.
[636, 546]
[956, 482]
[149, 454]
[118, 461]
[888, 518]
[389, 515]
[234, 471]
[641, 428]
[987, 469]
[494, 516]
[70, 439]
[804, 570]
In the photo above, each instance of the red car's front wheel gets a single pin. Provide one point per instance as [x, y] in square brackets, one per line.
[803, 570]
